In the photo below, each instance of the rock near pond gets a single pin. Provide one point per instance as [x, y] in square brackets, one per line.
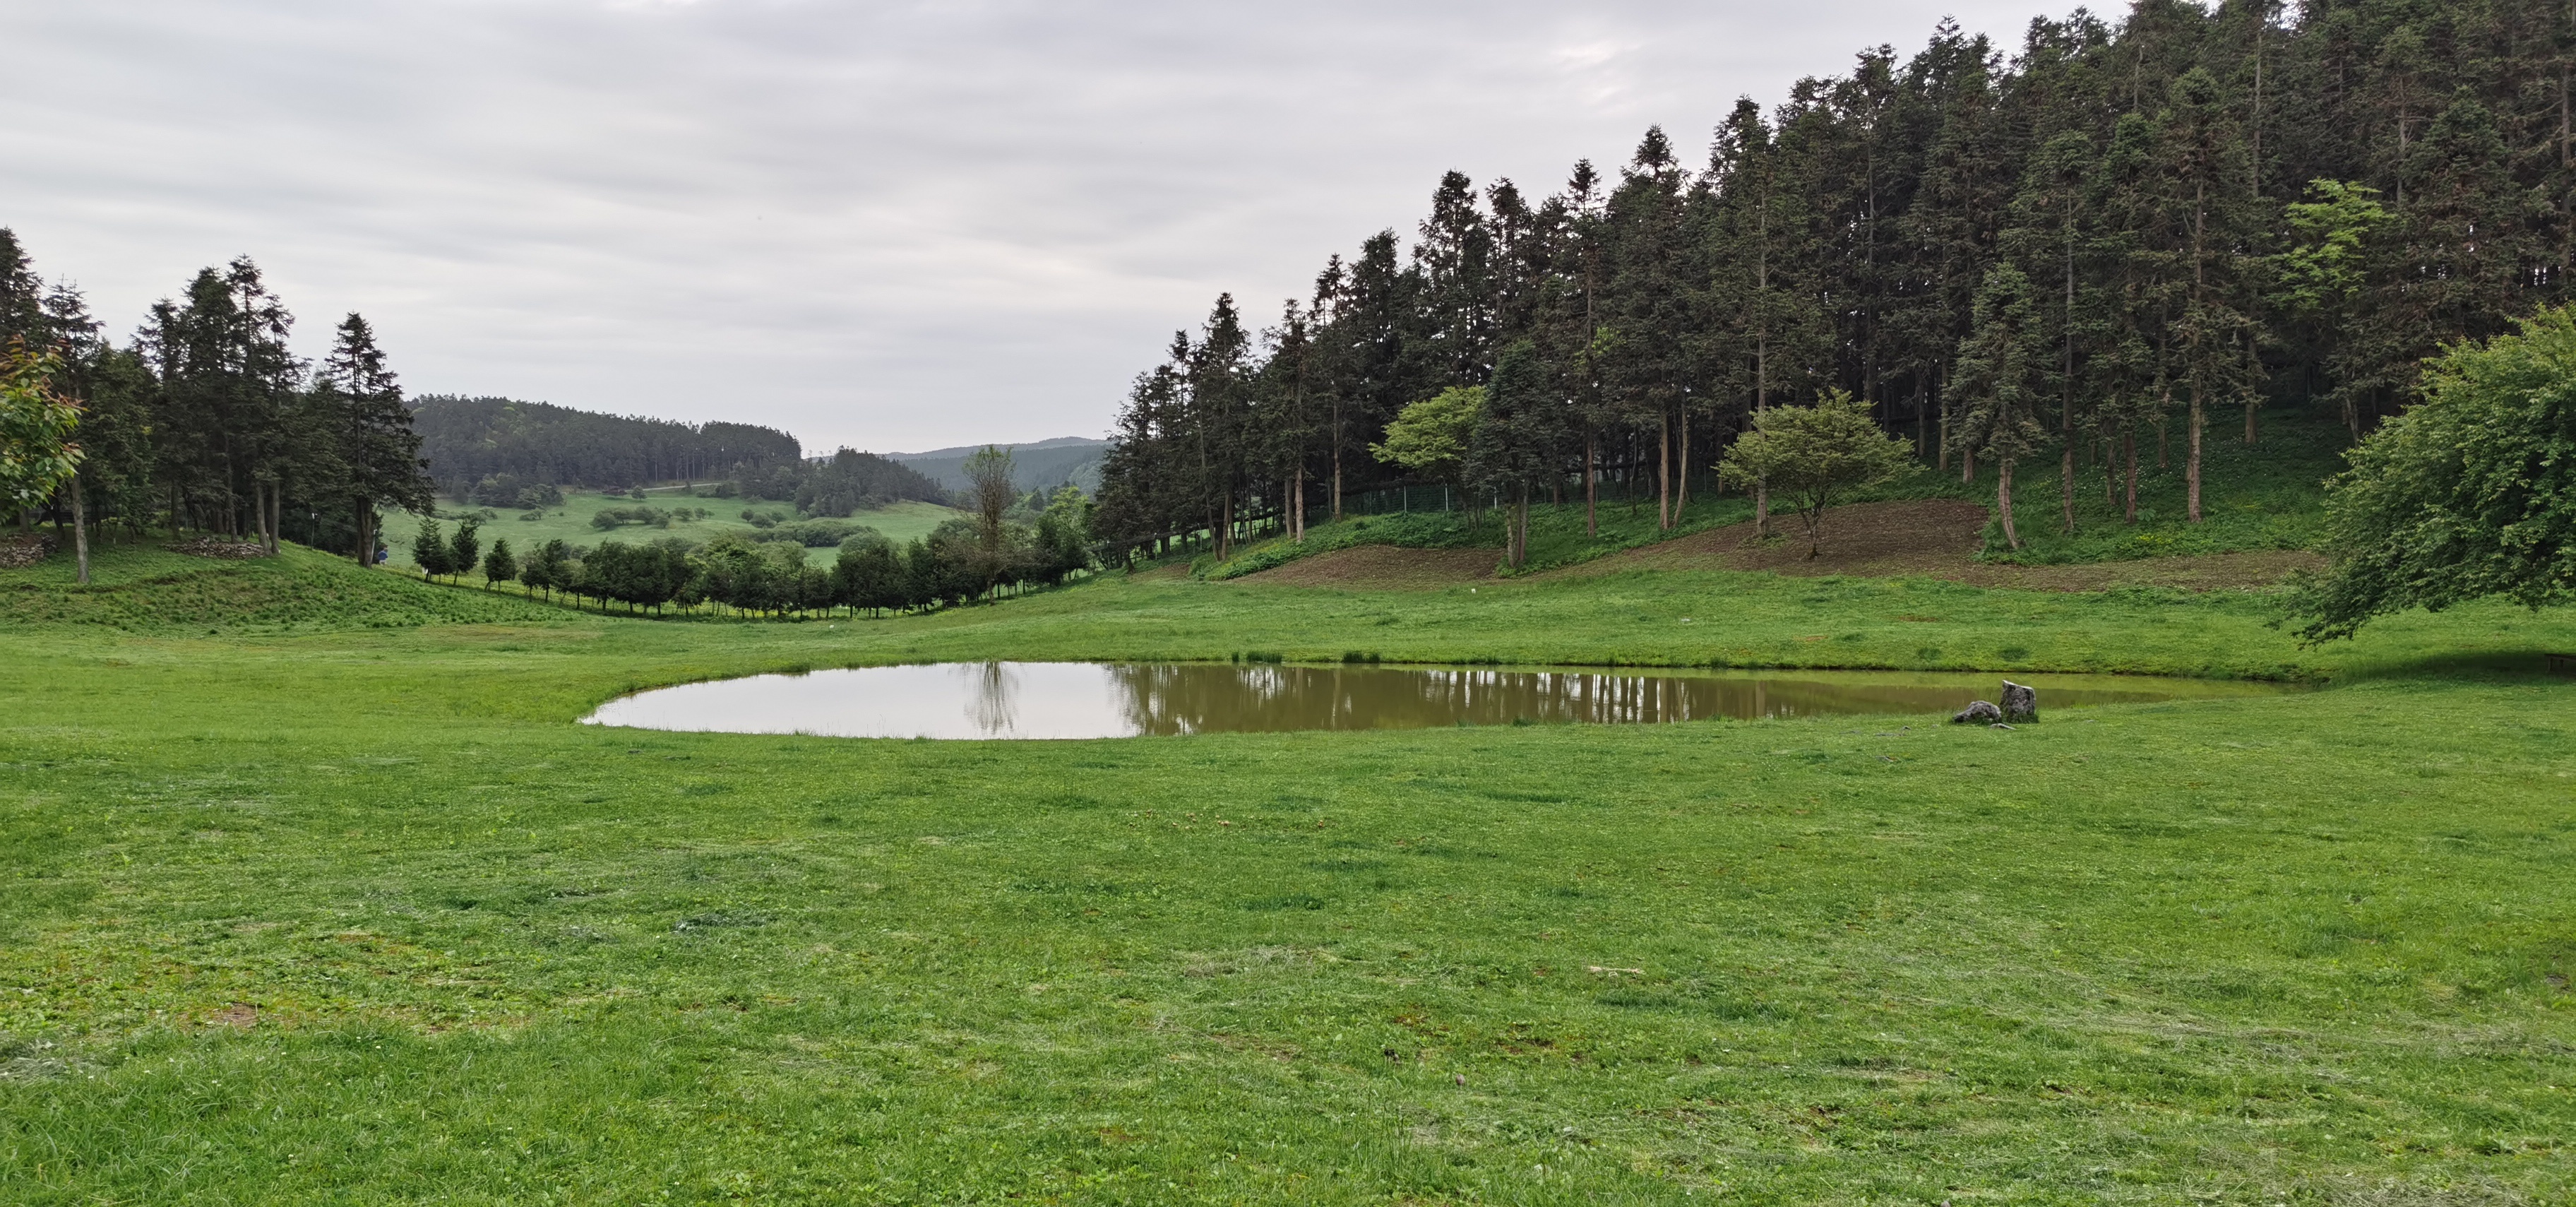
[1978, 713]
[2020, 703]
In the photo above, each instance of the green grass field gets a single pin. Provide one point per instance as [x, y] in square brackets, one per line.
[304, 909]
[571, 521]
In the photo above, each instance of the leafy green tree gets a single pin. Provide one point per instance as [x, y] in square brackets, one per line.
[466, 548]
[548, 568]
[990, 495]
[1433, 437]
[2319, 278]
[1813, 455]
[1063, 537]
[37, 452]
[430, 550]
[869, 574]
[498, 565]
[2471, 493]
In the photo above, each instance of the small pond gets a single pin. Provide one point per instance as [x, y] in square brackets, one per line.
[1023, 700]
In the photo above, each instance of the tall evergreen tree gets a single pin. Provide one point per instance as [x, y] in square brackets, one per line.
[2003, 381]
[369, 430]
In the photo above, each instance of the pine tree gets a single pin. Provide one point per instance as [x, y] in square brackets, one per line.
[377, 450]
[1521, 438]
[430, 550]
[2002, 379]
[2214, 336]
[498, 565]
[465, 549]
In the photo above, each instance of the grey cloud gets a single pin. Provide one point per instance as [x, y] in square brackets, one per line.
[886, 225]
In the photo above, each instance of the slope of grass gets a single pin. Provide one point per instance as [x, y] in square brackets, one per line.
[146, 588]
[571, 522]
[362, 916]
[2268, 495]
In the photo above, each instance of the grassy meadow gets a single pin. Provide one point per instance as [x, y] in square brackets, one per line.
[318, 894]
[570, 522]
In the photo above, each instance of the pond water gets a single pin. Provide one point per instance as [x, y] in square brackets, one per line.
[1024, 700]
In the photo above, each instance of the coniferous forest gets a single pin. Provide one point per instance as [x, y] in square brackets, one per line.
[469, 440]
[206, 420]
[2117, 239]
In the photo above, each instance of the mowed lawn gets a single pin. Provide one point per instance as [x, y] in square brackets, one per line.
[301, 912]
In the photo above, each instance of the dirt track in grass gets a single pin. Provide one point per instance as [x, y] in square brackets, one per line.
[1934, 538]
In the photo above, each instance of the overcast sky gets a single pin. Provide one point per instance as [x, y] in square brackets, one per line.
[891, 226]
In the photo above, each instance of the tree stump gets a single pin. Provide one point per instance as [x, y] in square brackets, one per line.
[2020, 703]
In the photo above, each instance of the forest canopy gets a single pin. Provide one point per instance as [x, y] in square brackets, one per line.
[2115, 233]
[469, 439]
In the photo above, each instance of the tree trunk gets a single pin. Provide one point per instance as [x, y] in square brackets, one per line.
[1682, 469]
[1591, 520]
[80, 534]
[2191, 464]
[1337, 462]
[1922, 438]
[2004, 502]
[2110, 471]
[2066, 491]
[1664, 473]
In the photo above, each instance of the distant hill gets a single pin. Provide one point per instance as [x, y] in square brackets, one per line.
[1041, 465]
[467, 440]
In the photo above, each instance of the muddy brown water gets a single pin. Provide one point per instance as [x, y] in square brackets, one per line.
[1026, 700]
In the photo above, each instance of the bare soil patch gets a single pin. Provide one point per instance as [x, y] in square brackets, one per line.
[1384, 568]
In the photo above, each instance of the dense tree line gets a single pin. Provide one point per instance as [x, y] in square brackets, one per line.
[1006, 547]
[499, 452]
[836, 486]
[206, 419]
[470, 440]
[2102, 240]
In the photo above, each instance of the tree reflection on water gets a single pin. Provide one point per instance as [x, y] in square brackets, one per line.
[1021, 700]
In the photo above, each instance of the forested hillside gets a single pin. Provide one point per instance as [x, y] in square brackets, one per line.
[2059, 257]
[469, 439]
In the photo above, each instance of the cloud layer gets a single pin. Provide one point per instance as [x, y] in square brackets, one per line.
[876, 224]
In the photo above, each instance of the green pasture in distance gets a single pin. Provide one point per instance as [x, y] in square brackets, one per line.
[303, 910]
[570, 522]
